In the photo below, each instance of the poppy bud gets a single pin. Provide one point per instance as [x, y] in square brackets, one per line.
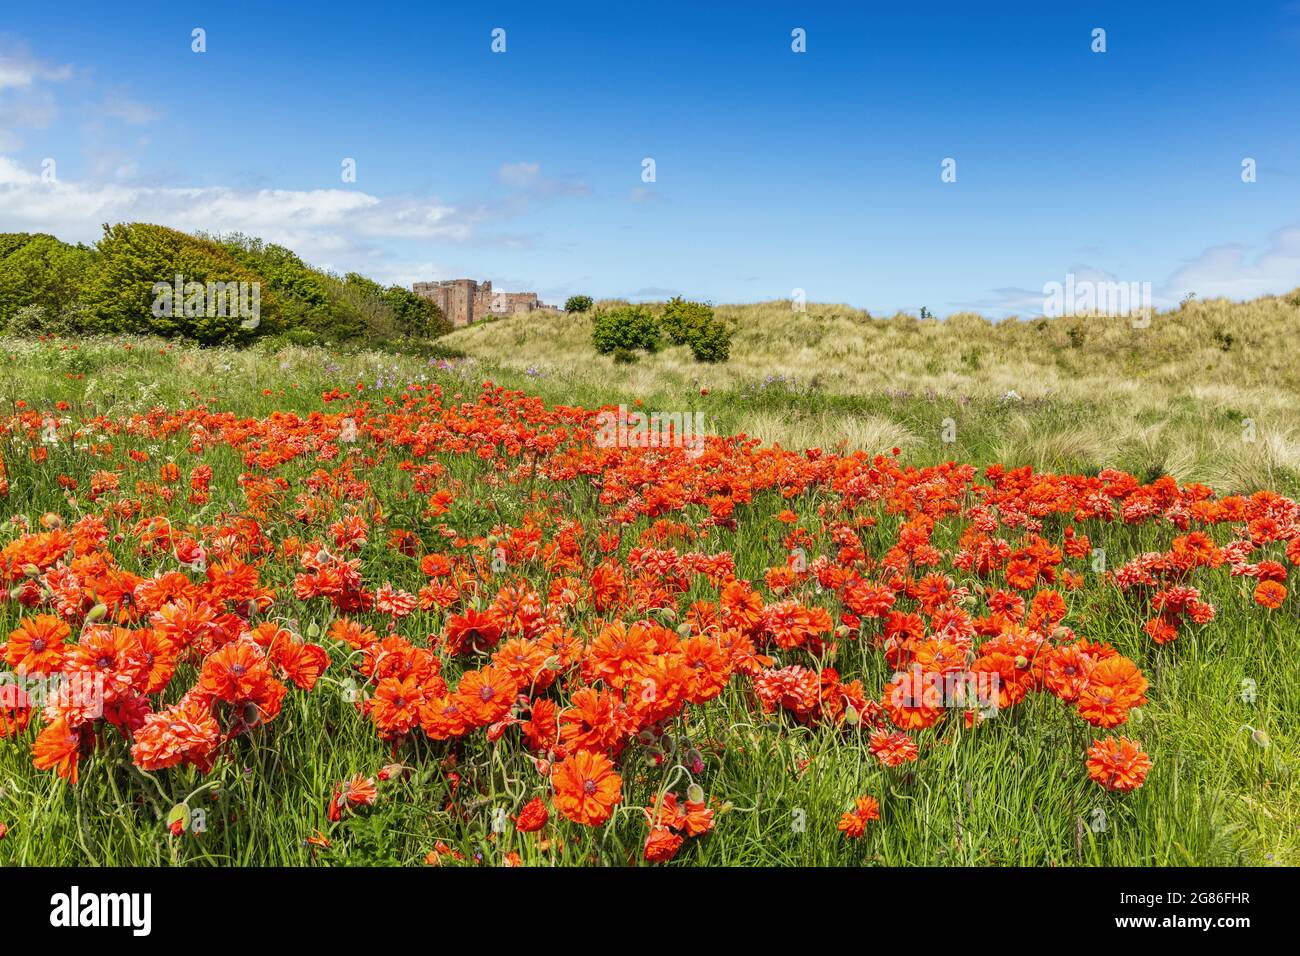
[1260, 738]
[552, 663]
[842, 630]
[1060, 633]
[727, 807]
[694, 761]
[668, 613]
[851, 716]
[31, 570]
[684, 629]
[695, 793]
[1022, 661]
[313, 629]
[96, 613]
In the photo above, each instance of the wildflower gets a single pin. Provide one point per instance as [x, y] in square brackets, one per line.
[36, 646]
[1270, 594]
[854, 823]
[358, 791]
[586, 787]
[1118, 763]
[532, 817]
[662, 845]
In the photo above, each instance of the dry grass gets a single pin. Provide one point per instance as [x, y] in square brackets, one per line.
[1206, 392]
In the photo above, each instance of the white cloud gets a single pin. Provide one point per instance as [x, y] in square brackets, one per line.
[320, 224]
[529, 183]
[1239, 271]
[20, 70]
[1236, 271]
[120, 106]
[24, 103]
[334, 228]
[519, 175]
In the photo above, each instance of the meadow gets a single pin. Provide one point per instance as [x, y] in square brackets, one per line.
[358, 608]
[1204, 392]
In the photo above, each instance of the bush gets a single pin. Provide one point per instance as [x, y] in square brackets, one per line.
[630, 327]
[416, 316]
[681, 319]
[695, 325]
[134, 257]
[578, 303]
[39, 270]
[711, 342]
[127, 284]
[309, 298]
[335, 309]
[302, 337]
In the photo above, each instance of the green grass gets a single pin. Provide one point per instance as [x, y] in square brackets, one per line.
[1011, 791]
[1172, 397]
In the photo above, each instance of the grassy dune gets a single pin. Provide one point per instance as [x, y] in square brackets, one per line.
[1204, 393]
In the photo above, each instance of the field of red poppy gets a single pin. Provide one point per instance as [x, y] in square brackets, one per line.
[295, 608]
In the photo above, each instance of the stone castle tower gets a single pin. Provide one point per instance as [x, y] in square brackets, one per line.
[465, 301]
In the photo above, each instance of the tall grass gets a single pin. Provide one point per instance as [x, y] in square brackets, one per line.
[1204, 393]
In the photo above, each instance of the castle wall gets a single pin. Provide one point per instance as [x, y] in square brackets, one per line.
[464, 301]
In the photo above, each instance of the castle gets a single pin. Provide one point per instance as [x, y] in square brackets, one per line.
[464, 301]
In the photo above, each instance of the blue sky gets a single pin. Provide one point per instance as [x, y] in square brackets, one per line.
[775, 170]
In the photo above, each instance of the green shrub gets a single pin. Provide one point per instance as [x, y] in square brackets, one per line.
[625, 357]
[335, 309]
[694, 324]
[302, 337]
[578, 303]
[630, 327]
[127, 284]
[681, 319]
[711, 342]
[131, 288]
[39, 270]
[416, 316]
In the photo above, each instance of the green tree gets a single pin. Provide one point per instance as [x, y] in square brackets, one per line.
[416, 316]
[39, 270]
[131, 290]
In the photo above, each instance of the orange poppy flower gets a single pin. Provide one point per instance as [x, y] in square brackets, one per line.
[854, 823]
[586, 787]
[36, 646]
[1118, 763]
